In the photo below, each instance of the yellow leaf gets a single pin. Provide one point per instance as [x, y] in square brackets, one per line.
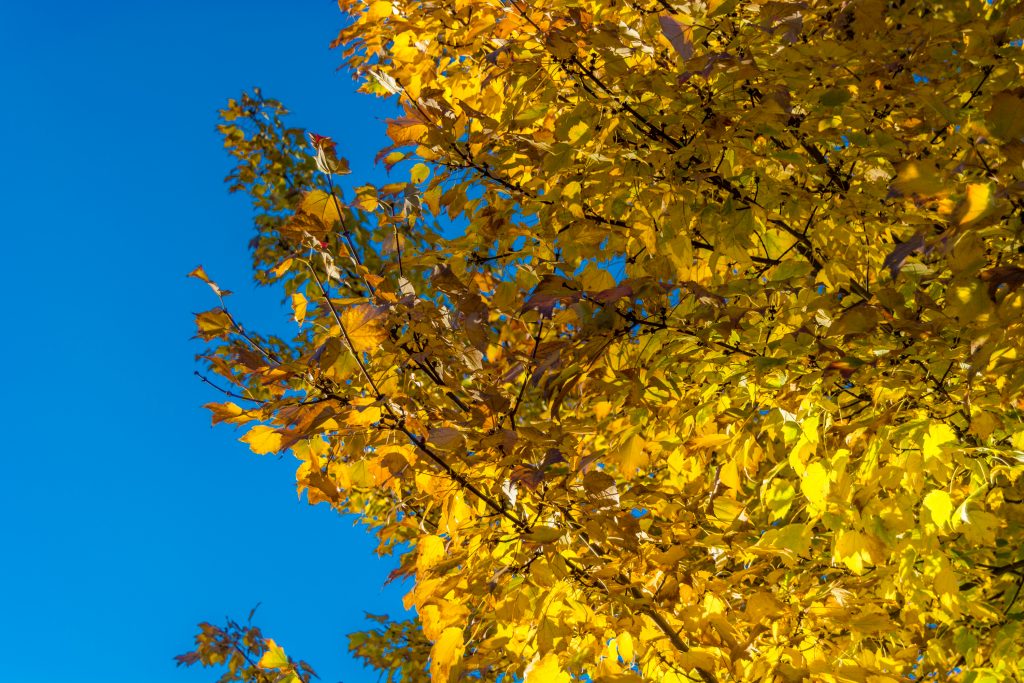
[795, 538]
[938, 435]
[213, 324]
[939, 505]
[299, 307]
[379, 10]
[447, 651]
[708, 441]
[227, 412]
[727, 509]
[698, 658]
[730, 475]
[262, 439]
[917, 179]
[274, 657]
[545, 670]
[432, 198]
[363, 417]
[632, 455]
[366, 199]
[429, 552]
[283, 267]
[578, 131]
[1004, 119]
[814, 485]
[852, 550]
[760, 605]
[200, 274]
[979, 195]
[363, 327]
[419, 173]
[321, 206]
[454, 515]
[625, 645]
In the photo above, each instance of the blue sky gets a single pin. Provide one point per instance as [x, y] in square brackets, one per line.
[125, 517]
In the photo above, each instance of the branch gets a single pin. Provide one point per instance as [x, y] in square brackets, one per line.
[526, 373]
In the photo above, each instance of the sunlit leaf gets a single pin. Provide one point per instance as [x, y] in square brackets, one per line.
[262, 439]
[364, 326]
[274, 657]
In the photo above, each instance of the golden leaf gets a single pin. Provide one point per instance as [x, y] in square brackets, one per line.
[274, 657]
[200, 274]
[262, 439]
[379, 10]
[814, 484]
[939, 506]
[299, 304]
[429, 552]
[227, 412]
[545, 670]
[322, 206]
[446, 653]
[283, 267]
[406, 130]
[364, 327]
[419, 173]
[851, 548]
[979, 197]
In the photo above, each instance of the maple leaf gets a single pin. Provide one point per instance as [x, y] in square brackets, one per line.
[263, 439]
[446, 653]
[327, 159]
[321, 206]
[406, 130]
[274, 657]
[364, 326]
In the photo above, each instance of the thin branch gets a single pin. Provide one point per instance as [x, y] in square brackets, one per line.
[526, 372]
[344, 332]
[227, 392]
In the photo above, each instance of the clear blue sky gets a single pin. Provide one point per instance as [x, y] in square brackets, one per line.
[125, 517]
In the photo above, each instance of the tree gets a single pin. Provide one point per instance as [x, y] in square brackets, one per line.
[689, 350]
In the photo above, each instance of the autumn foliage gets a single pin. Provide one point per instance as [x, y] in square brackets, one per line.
[686, 344]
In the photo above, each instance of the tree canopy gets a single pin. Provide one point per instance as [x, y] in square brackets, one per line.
[685, 345]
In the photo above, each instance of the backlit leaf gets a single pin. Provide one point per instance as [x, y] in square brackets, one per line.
[274, 657]
[545, 670]
[299, 305]
[446, 653]
[939, 506]
[979, 197]
[321, 206]
[364, 325]
[262, 439]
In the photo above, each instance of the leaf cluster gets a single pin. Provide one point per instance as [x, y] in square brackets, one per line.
[720, 381]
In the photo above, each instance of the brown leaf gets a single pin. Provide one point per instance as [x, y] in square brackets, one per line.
[550, 291]
[1011, 276]
[529, 475]
[612, 294]
[678, 34]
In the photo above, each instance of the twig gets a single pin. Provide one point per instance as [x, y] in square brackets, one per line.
[227, 392]
[526, 371]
